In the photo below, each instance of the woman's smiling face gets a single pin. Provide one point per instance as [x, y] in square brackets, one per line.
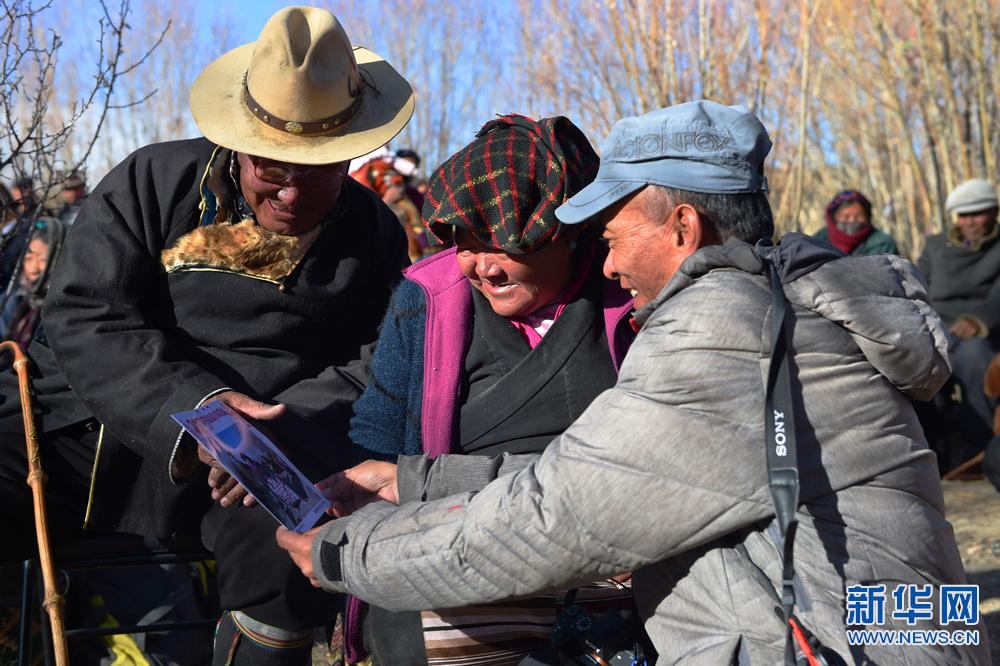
[514, 284]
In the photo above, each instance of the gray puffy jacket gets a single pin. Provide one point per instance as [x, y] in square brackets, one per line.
[665, 474]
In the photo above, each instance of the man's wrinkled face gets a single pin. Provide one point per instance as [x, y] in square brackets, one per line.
[976, 225]
[640, 254]
[290, 199]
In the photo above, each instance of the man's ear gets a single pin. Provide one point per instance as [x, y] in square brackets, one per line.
[692, 230]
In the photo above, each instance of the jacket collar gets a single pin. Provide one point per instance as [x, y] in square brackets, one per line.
[795, 256]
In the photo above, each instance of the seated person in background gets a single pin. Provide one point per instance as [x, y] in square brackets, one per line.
[849, 226]
[21, 312]
[962, 267]
[380, 175]
[491, 348]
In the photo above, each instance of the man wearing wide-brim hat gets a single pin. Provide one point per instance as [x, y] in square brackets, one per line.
[962, 267]
[242, 267]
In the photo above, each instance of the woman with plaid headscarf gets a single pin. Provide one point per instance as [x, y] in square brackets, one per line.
[490, 349]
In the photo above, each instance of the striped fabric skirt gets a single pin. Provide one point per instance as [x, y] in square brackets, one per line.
[504, 633]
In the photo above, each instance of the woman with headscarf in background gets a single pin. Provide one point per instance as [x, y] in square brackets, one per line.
[849, 226]
[23, 308]
[491, 349]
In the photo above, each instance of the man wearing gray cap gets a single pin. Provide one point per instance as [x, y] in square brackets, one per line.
[962, 267]
[666, 474]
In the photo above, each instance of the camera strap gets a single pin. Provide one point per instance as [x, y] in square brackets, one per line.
[782, 459]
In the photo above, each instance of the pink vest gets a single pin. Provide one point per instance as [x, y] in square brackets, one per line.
[449, 316]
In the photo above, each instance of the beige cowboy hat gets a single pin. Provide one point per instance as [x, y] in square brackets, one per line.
[301, 93]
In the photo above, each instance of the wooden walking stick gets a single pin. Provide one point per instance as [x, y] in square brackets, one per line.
[53, 603]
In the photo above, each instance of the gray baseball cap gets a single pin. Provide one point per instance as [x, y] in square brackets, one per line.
[698, 146]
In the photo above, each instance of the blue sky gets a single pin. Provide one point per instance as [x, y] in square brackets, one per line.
[248, 16]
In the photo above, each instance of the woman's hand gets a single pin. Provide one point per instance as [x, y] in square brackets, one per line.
[363, 484]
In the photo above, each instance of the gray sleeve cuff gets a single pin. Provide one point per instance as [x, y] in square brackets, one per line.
[326, 554]
[331, 555]
[411, 475]
[421, 479]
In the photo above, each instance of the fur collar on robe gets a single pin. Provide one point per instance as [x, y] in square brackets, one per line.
[245, 248]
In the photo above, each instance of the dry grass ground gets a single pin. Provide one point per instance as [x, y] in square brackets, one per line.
[973, 508]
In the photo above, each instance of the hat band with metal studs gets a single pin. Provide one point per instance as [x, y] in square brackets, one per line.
[300, 127]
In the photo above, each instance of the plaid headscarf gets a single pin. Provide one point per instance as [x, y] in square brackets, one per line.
[505, 186]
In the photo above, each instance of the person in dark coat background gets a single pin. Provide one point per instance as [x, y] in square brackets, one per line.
[962, 267]
[242, 267]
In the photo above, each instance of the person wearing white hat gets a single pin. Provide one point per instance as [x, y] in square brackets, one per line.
[962, 267]
[244, 267]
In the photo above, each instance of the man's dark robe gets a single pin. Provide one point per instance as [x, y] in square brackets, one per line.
[130, 342]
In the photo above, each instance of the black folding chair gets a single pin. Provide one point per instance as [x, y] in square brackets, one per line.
[100, 551]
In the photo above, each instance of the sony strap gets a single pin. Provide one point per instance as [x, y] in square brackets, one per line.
[782, 460]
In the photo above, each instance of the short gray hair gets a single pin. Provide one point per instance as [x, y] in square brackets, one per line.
[746, 216]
